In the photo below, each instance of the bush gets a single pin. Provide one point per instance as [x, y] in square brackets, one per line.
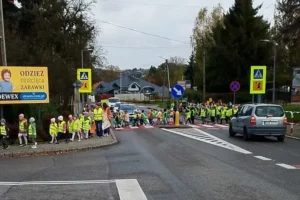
[293, 108]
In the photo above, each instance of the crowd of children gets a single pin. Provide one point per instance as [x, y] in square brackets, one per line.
[82, 127]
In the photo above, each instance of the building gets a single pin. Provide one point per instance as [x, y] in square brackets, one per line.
[131, 84]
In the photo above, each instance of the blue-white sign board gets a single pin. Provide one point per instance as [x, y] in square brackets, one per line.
[177, 91]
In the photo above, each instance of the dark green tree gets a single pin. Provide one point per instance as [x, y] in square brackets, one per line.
[237, 46]
[189, 72]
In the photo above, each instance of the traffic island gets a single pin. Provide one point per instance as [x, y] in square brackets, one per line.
[61, 148]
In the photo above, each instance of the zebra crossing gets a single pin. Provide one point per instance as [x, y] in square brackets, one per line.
[200, 126]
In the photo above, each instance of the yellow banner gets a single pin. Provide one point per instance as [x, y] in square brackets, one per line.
[23, 85]
[85, 77]
[258, 78]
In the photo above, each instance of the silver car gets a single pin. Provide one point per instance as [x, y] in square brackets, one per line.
[260, 120]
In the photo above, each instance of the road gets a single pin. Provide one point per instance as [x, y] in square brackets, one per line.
[161, 165]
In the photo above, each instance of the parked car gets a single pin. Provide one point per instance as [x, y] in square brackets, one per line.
[260, 120]
[130, 108]
[117, 106]
[112, 102]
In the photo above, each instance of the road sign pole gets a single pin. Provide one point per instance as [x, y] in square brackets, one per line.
[233, 98]
[259, 98]
[252, 98]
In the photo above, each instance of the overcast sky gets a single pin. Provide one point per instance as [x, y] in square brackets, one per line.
[167, 18]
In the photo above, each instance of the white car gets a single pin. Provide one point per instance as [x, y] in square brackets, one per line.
[112, 101]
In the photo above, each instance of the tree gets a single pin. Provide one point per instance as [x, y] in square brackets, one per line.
[287, 29]
[51, 33]
[237, 46]
[189, 72]
[202, 38]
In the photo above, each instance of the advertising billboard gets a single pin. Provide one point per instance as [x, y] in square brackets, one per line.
[23, 85]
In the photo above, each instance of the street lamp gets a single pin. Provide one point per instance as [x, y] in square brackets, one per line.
[83, 50]
[275, 44]
[167, 72]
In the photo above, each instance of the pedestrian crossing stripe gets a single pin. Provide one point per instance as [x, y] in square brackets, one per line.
[258, 74]
[84, 76]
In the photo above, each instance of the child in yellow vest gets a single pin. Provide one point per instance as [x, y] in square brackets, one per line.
[32, 132]
[76, 128]
[53, 130]
[4, 134]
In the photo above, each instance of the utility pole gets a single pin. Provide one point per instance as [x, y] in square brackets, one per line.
[3, 47]
[169, 86]
[204, 77]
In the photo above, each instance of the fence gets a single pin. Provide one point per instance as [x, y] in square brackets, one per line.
[292, 120]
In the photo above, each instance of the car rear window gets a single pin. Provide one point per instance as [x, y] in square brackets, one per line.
[274, 111]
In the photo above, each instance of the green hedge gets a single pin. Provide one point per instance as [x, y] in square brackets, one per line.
[294, 108]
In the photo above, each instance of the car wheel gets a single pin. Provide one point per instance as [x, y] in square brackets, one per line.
[245, 134]
[280, 138]
[231, 133]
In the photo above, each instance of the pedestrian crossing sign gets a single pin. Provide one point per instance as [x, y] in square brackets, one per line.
[258, 74]
[84, 76]
[258, 79]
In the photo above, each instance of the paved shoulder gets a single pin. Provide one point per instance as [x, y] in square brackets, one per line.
[46, 148]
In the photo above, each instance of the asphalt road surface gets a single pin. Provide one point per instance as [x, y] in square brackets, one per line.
[161, 165]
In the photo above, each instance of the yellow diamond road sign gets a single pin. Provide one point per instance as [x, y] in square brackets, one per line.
[258, 79]
[85, 77]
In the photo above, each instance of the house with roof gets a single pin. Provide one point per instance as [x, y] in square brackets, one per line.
[131, 83]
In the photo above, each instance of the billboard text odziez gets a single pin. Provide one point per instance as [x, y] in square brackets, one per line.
[23, 85]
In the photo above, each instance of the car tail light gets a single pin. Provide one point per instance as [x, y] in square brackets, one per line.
[253, 120]
[285, 121]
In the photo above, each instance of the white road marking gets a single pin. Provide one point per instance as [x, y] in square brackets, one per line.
[194, 126]
[134, 127]
[202, 136]
[58, 182]
[208, 126]
[130, 189]
[262, 158]
[147, 126]
[286, 166]
[222, 126]
[119, 128]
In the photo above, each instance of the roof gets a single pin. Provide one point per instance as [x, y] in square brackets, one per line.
[127, 80]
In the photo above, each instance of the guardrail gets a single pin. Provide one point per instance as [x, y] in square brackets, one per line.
[292, 120]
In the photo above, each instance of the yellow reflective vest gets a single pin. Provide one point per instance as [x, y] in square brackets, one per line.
[22, 127]
[86, 125]
[31, 130]
[61, 127]
[98, 114]
[3, 130]
[70, 126]
[53, 129]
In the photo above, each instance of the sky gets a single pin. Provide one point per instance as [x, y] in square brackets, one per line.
[173, 19]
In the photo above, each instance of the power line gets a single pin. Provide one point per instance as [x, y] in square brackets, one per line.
[142, 32]
[143, 47]
[151, 4]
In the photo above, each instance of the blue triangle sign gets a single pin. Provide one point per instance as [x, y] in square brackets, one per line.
[258, 74]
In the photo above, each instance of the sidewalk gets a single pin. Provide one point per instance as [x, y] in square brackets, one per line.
[296, 131]
[62, 147]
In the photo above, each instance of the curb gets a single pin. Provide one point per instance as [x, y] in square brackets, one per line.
[174, 127]
[58, 152]
[292, 137]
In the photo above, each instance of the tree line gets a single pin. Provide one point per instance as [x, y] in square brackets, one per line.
[52, 33]
[228, 42]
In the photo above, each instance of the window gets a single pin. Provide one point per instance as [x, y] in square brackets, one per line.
[249, 111]
[133, 86]
[264, 111]
[244, 111]
[239, 113]
[114, 100]
[127, 107]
